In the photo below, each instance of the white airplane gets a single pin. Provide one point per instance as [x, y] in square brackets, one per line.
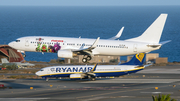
[19, 64]
[91, 72]
[70, 47]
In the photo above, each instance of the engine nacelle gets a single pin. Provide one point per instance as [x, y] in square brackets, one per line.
[77, 76]
[65, 54]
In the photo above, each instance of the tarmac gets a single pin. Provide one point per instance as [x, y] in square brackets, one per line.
[140, 86]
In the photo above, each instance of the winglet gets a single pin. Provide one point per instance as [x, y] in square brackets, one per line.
[95, 43]
[94, 68]
[91, 47]
[118, 34]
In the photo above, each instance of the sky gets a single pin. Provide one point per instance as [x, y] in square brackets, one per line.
[87, 2]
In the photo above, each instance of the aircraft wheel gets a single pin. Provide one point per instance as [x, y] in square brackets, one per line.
[47, 79]
[24, 55]
[93, 79]
[88, 58]
[84, 60]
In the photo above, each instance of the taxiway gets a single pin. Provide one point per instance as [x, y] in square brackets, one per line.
[137, 87]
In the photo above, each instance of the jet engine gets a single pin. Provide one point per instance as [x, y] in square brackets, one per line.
[75, 76]
[65, 54]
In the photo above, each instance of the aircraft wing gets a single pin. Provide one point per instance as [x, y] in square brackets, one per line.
[89, 49]
[118, 34]
[89, 74]
[92, 71]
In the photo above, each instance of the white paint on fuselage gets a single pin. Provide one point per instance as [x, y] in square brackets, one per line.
[82, 69]
[104, 47]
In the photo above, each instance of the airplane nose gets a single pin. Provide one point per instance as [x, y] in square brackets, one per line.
[37, 73]
[11, 44]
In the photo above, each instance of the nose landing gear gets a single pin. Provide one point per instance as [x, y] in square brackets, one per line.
[22, 52]
[91, 78]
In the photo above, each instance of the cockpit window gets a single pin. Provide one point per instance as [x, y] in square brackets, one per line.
[17, 40]
[42, 70]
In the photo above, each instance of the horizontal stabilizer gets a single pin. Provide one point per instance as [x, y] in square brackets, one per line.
[118, 35]
[164, 42]
[157, 45]
[154, 45]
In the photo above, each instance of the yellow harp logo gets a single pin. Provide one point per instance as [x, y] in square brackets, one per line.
[140, 56]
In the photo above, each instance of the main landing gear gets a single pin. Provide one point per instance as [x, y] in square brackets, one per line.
[86, 58]
[91, 78]
[24, 55]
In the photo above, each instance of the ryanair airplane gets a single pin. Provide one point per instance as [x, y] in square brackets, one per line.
[91, 72]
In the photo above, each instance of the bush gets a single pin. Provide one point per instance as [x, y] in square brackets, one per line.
[163, 98]
[11, 67]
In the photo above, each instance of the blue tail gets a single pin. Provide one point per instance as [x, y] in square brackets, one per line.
[137, 59]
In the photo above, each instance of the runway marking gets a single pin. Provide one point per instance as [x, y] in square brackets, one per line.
[109, 93]
[94, 98]
[52, 93]
[126, 96]
[135, 81]
[158, 92]
[120, 91]
[14, 99]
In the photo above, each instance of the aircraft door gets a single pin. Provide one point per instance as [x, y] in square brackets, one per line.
[27, 42]
[48, 71]
[135, 48]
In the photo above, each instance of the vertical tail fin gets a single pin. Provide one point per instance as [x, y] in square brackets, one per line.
[153, 33]
[137, 59]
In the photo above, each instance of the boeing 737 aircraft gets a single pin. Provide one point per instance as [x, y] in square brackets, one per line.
[19, 64]
[91, 72]
[70, 47]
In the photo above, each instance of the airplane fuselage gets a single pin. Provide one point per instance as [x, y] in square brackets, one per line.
[101, 70]
[104, 46]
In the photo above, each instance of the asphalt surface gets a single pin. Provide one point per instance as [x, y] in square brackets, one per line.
[134, 87]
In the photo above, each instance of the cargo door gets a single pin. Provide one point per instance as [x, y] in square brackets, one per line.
[49, 72]
[27, 42]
